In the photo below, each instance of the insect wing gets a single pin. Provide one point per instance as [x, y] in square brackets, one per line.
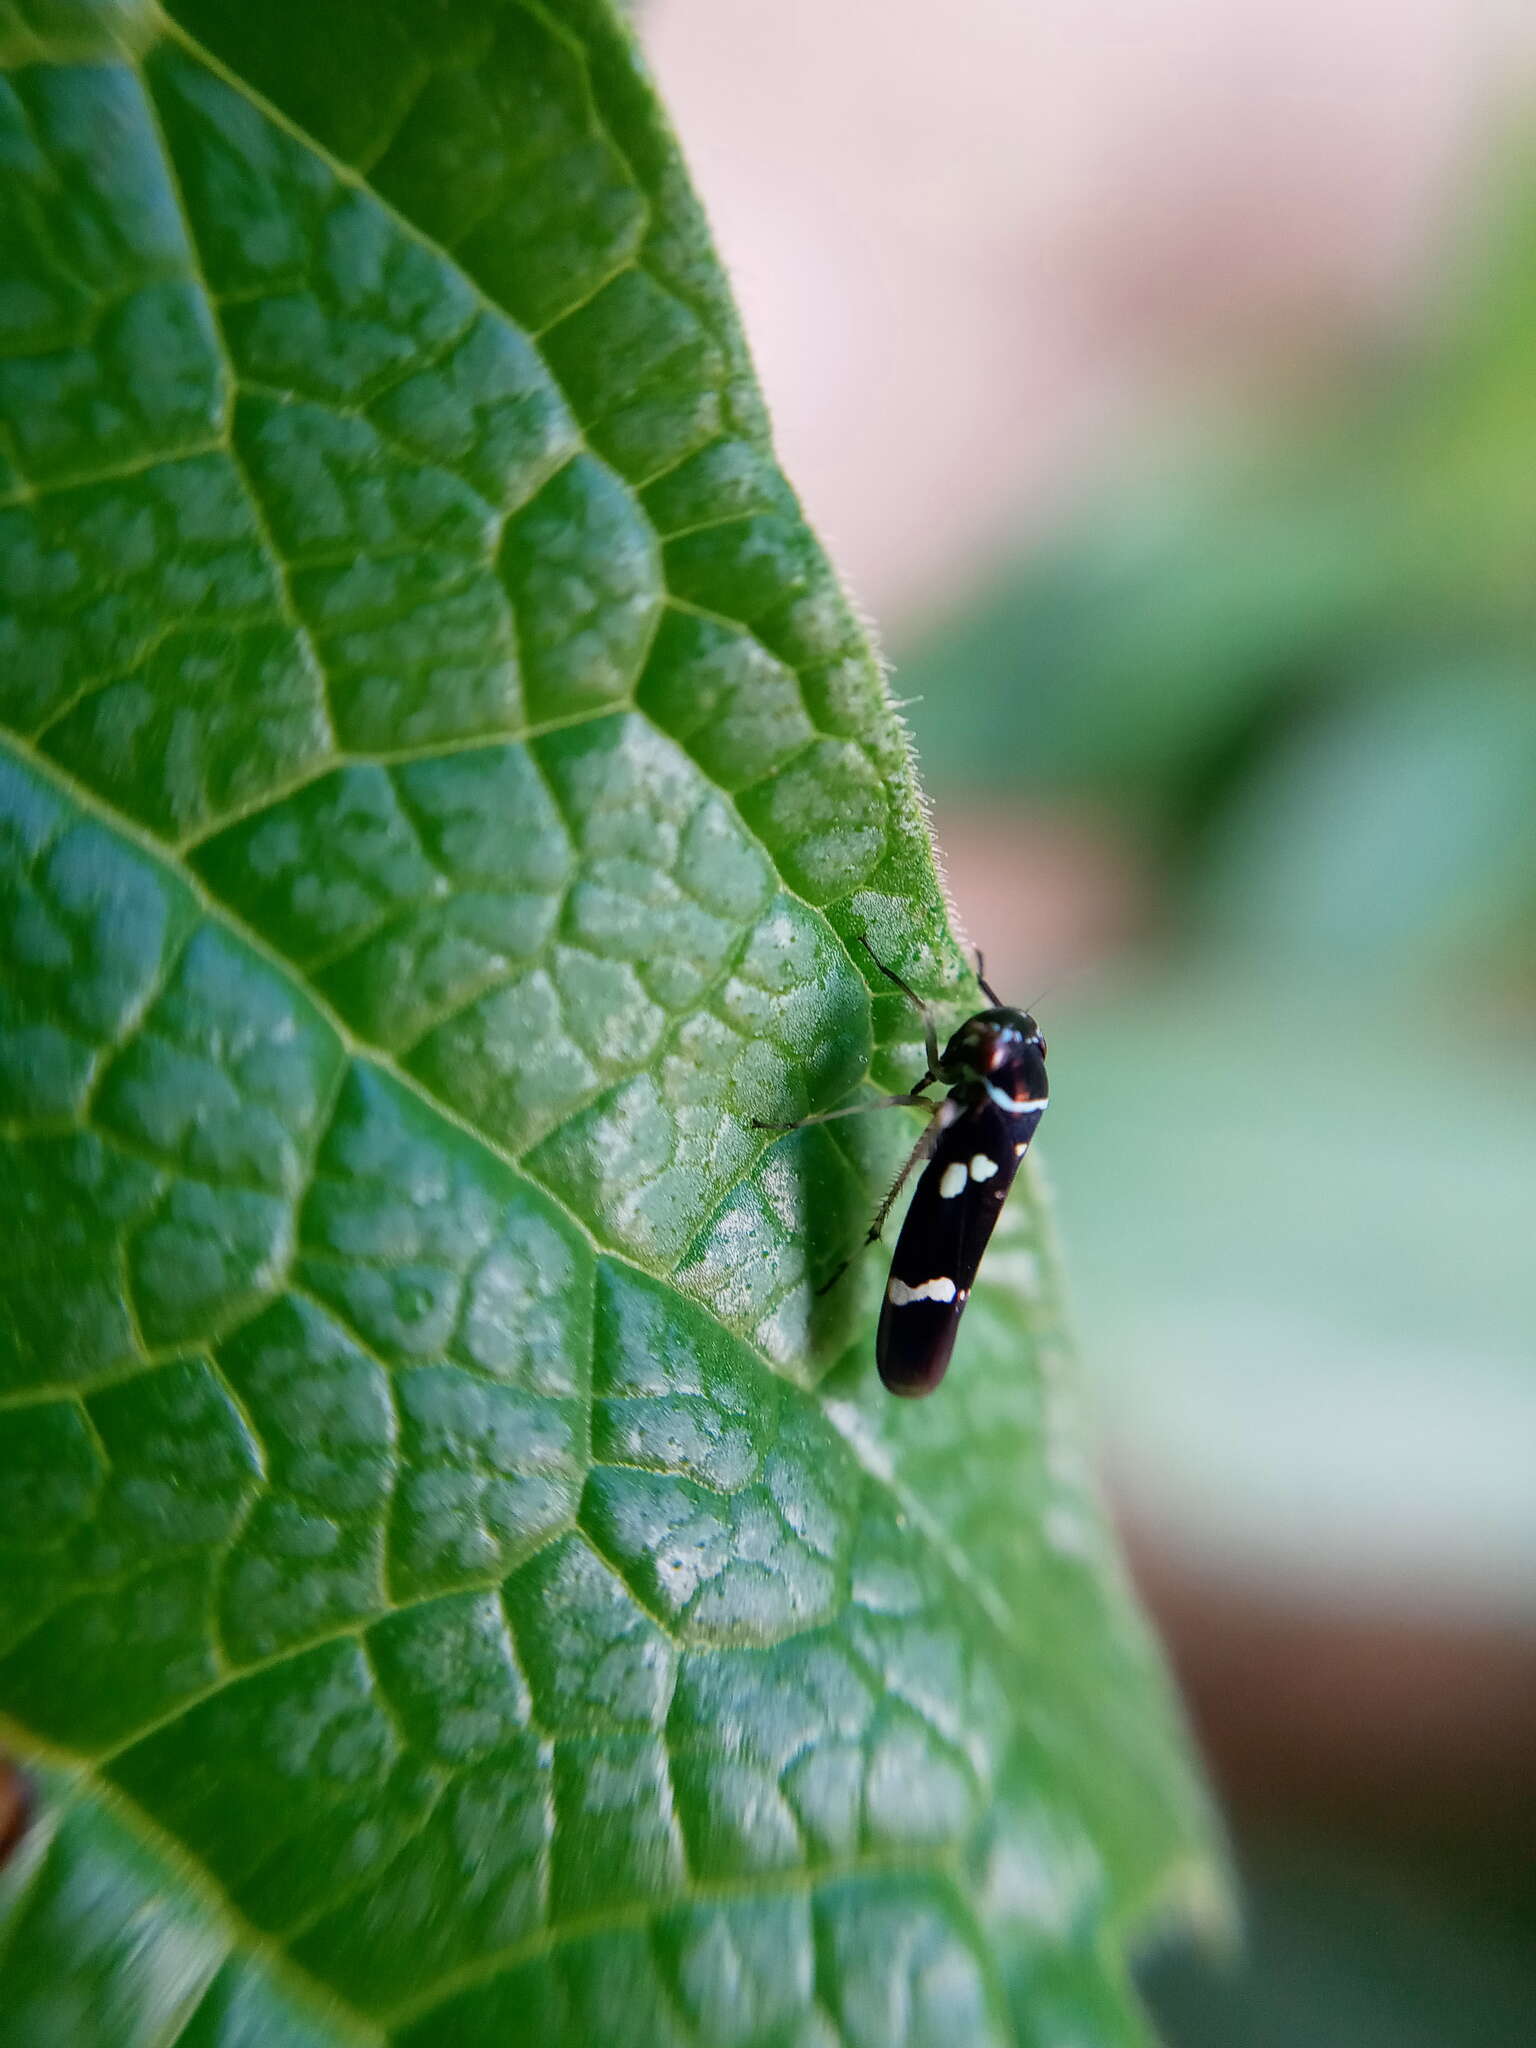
[952, 1215]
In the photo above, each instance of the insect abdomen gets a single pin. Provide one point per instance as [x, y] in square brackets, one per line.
[954, 1210]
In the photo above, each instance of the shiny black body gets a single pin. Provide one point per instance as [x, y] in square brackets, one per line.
[994, 1067]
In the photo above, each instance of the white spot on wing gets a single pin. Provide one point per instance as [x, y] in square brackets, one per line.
[982, 1168]
[1011, 1103]
[953, 1179]
[900, 1295]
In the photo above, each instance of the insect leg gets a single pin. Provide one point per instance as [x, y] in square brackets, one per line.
[987, 989]
[827, 1116]
[936, 1123]
[930, 1035]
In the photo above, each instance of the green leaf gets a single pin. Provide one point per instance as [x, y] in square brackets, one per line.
[459, 1582]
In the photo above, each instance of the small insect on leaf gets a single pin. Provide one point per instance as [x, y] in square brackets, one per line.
[977, 1135]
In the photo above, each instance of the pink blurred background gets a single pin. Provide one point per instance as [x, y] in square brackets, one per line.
[975, 246]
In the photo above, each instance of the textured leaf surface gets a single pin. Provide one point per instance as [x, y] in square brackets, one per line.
[457, 1583]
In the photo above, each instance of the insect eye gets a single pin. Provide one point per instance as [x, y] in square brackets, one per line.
[1045, 1051]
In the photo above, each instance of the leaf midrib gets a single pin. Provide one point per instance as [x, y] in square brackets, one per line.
[251, 1943]
[987, 1597]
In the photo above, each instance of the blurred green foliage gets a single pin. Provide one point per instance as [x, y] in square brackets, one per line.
[1294, 1130]
[1344, 1947]
[1297, 657]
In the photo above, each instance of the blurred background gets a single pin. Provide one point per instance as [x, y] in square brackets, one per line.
[1162, 375]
